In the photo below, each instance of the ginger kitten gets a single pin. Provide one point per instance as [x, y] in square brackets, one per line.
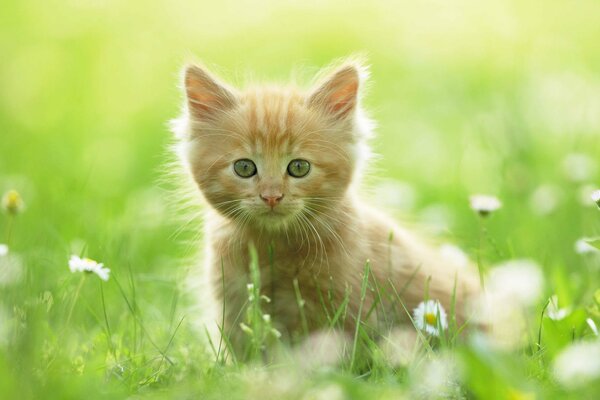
[277, 167]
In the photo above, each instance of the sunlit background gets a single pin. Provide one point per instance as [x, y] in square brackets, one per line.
[495, 97]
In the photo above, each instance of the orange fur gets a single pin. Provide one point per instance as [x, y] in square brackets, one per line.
[321, 234]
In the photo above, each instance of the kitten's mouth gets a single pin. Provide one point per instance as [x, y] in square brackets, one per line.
[275, 213]
[275, 217]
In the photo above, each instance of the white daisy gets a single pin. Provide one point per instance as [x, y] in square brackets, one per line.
[484, 204]
[435, 378]
[578, 364]
[511, 287]
[596, 197]
[518, 280]
[3, 249]
[429, 316]
[77, 264]
[554, 312]
[503, 317]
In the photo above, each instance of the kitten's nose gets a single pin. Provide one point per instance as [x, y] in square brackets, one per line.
[271, 199]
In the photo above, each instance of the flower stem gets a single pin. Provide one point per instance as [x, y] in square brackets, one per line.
[482, 233]
[75, 298]
[9, 228]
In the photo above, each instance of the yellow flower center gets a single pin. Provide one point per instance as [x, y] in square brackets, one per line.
[12, 202]
[431, 319]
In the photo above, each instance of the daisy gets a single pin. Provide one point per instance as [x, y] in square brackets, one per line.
[436, 377]
[429, 316]
[3, 249]
[578, 364]
[518, 281]
[77, 264]
[12, 202]
[484, 205]
[511, 287]
[555, 313]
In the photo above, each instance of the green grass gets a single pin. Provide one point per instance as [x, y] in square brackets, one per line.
[469, 97]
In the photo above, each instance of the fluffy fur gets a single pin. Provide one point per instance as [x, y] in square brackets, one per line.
[320, 233]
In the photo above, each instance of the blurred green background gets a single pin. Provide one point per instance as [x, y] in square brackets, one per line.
[499, 97]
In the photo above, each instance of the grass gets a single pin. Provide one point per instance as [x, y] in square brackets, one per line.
[470, 97]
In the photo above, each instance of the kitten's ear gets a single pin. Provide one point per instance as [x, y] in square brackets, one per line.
[206, 96]
[338, 95]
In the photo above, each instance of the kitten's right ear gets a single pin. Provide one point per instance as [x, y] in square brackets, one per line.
[338, 95]
[206, 96]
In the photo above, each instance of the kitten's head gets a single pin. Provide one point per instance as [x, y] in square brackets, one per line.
[270, 155]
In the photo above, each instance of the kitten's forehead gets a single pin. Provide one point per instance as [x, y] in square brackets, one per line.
[274, 115]
[275, 123]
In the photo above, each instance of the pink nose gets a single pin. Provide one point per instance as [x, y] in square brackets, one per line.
[272, 200]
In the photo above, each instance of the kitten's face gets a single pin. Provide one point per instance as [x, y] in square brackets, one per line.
[271, 156]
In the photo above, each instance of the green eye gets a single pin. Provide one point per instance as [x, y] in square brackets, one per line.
[244, 168]
[298, 168]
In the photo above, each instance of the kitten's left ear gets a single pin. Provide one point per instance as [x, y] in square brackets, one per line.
[338, 95]
[206, 96]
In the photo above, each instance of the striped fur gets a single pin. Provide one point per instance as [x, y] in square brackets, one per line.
[321, 234]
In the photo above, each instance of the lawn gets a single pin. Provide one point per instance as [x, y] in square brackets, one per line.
[499, 98]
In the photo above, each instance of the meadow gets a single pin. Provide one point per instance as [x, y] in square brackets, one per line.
[499, 98]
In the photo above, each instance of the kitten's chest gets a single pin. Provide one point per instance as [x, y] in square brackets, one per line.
[289, 275]
[283, 261]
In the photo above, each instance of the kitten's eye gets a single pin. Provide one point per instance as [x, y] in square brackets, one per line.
[244, 168]
[298, 168]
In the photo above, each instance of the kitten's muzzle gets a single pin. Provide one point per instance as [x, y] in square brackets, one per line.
[271, 199]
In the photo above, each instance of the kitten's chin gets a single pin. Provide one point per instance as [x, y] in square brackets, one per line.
[274, 220]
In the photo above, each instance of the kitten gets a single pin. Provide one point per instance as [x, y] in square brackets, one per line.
[278, 168]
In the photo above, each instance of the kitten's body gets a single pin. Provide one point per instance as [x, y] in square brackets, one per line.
[328, 266]
[317, 232]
